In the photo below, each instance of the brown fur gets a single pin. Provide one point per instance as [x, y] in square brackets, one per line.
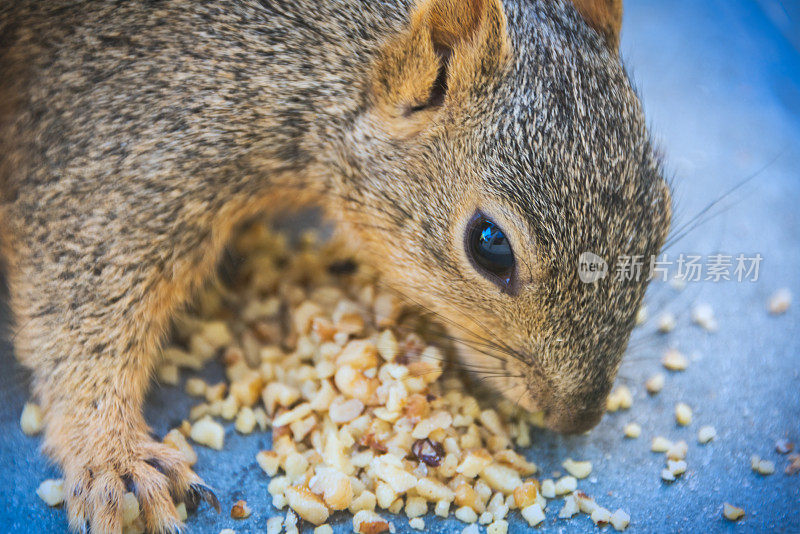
[605, 16]
[131, 155]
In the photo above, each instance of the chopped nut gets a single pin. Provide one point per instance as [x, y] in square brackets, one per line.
[417, 523]
[632, 430]
[345, 410]
[570, 507]
[784, 446]
[428, 451]
[667, 476]
[474, 462]
[731, 512]
[577, 469]
[500, 526]
[601, 516]
[466, 514]
[683, 414]
[240, 510]
[334, 486]
[31, 420]
[168, 374]
[533, 514]
[245, 421]
[268, 461]
[368, 522]
[324, 529]
[130, 509]
[434, 491]
[307, 505]
[208, 432]
[655, 383]
[566, 484]
[501, 478]
[674, 361]
[525, 494]
[660, 444]
[416, 506]
[548, 489]
[177, 440]
[762, 467]
[442, 508]
[706, 434]
[780, 301]
[678, 450]
[274, 525]
[51, 491]
[620, 520]
[619, 399]
[666, 322]
[676, 467]
[794, 464]
[703, 316]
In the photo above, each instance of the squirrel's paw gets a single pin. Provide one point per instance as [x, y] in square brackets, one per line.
[154, 472]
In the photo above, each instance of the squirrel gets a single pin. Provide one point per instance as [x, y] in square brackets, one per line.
[473, 148]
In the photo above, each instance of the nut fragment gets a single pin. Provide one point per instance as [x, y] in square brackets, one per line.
[620, 520]
[307, 505]
[474, 462]
[428, 451]
[533, 514]
[208, 432]
[703, 316]
[780, 301]
[51, 491]
[632, 430]
[731, 512]
[570, 507]
[240, 510]
[683, 414]
[577, 469]
[655, 383]
[660, 444]
[368, 522]
[177, 440]
[666, 322]
[31, 420]
[466, 514]
[130, 509]
[674, 361]
[566, 484]
[784, 446]
[678, 450]
[762, 467]
[706, 434]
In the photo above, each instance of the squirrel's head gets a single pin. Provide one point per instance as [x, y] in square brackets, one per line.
[499, 143]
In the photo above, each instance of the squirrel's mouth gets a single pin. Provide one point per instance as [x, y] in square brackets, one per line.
[507, 379]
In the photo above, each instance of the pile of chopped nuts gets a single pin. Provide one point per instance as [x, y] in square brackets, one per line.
[366, 416]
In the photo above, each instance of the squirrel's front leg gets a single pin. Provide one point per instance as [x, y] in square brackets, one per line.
[88, 327]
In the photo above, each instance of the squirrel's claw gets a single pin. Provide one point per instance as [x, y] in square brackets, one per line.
[198, 492]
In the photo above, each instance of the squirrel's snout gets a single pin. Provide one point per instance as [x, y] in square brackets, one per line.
[568, 421]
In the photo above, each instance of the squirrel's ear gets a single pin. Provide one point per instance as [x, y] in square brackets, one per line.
[605, 16]
[447, 48]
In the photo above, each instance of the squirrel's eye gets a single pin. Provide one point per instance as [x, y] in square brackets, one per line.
[489, 249]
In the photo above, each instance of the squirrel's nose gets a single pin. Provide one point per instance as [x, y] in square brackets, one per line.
[567, 419]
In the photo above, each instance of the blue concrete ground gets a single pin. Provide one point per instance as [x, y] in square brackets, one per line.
[720, 82]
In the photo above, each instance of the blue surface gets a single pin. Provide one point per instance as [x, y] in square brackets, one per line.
[720, 82]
